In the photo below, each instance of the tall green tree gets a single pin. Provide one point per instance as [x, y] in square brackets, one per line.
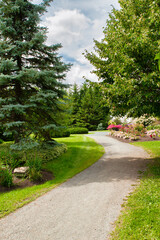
[31, 73]
[124, 59]
[75, 103]
[89, 107]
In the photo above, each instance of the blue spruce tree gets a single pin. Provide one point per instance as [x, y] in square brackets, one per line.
[31, 73]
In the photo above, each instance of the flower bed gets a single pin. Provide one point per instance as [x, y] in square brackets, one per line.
[135, 132]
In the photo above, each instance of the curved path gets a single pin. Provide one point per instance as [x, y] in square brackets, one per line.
[84, 207]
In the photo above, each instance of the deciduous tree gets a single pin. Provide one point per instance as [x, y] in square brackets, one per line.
[124, 59]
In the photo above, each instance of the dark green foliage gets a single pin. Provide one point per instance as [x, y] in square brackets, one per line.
[124, 59]
[78, 130]
[31, 73]
[88, 105]
[5, 177]
[1, 141]
[158, 58]
[59, 134]
[8, 137]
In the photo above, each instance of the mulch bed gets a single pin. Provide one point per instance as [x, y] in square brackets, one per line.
[20, 183]
[142, 139]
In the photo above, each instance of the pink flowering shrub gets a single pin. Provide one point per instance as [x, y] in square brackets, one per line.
[136, 130]
[132, 132]
[114, 127]
[153, 133]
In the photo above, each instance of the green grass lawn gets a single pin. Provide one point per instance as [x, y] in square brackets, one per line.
[140, 218]
[82, 152]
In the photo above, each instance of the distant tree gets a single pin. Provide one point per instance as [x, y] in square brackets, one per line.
[88, 106]
[31, 73]
[75, 103]
[124, 59]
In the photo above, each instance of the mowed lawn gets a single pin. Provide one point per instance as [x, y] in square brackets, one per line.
[140, 218]
[82, 152]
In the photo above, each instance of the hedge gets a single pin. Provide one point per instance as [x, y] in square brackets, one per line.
[78, 130]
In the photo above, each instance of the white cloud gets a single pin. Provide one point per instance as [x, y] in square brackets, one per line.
[75, 24]
[67, 27]
[78, 72]
[76, 32]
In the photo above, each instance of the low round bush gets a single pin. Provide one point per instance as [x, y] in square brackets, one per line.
[62, 133]
[78, 130]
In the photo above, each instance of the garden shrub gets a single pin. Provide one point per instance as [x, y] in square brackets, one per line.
[114, 127]
[138, 127]
[152, 127]
[62, 133]
[145, 120]
[35, 163]
[135, 129]
[6, 177]
[9, 158]
[49, 153]
[100, 127]
[91, 127]
[78, 130]
[35, 175]
[19, 158]
[1, 141]
[35, 166]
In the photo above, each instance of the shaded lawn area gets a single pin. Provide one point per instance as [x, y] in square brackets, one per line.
[140, 218]
[82, 152]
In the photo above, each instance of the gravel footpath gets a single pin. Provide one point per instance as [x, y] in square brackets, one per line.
[85, 207]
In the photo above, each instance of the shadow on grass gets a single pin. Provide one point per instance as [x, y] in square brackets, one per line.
[154, 168]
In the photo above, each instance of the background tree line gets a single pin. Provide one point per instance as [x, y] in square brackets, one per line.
[88, 106]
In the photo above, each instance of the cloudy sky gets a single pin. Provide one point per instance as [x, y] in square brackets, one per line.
[74, 24]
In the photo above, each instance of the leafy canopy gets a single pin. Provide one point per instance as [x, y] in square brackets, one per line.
[124, 59]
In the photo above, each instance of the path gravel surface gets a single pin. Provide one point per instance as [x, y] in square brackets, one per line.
[85, 207]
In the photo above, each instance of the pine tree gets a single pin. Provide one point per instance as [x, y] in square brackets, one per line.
[89, 106]
[31, 73]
